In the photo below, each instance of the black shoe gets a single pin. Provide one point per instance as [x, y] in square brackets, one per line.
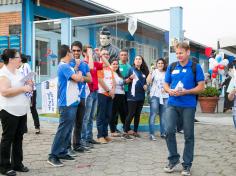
[136, 135]
[37, 131]
[21, 169]
[92, 141]
[126, 136]
[82, 149]
[88, 145]
[66, 157]
[163, 136]
[118, 131]
[55, 162]
[9, 173]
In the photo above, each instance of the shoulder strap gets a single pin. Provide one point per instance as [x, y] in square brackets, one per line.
[194, 68]
[172, 66]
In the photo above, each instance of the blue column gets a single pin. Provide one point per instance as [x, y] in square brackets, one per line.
[132, 54]
[92, 37]
[176, 30]
[65, 31]
[27, 26]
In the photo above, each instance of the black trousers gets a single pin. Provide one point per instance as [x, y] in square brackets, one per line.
[134, 111]
[118, 108]
[34, 110]
[79, 123]
[11, 143]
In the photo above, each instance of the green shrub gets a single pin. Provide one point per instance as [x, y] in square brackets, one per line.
[210, 92]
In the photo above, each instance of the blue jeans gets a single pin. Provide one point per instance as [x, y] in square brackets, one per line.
[186, 115]
[64, 130]
[157, 108]
[90, 109]
[104, 115]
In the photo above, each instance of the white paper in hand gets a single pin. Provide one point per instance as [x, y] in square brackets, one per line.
[134, 83]
[28, 77]
[179, 86]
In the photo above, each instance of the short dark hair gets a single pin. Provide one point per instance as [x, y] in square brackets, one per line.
[124, 50]
[7, 54]
[24, 58]
[77, 43]
[183, 45]
[64, 50]
[105, 31]
[101, 49]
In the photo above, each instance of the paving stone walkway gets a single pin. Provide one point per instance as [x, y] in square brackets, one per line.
[215, 154]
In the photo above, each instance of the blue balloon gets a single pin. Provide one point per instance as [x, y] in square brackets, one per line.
[218, 58]
[210, 71]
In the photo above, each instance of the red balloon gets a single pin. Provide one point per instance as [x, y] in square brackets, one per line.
[208, 51]
[213, 75]
[221, 67]
[215, 69]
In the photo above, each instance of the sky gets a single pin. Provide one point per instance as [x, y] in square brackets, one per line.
[204, 21]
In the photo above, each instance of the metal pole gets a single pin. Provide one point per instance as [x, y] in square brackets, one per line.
[116, 14]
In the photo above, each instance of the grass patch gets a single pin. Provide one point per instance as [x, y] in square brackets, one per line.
[144, 119]
[50, 115]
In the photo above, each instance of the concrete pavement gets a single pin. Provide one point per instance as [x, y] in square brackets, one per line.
[215, 153]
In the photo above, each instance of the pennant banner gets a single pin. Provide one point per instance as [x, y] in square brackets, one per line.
[132, 25]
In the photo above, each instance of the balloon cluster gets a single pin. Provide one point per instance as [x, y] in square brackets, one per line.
[217, 65]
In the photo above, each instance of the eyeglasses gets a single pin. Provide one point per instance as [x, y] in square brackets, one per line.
[76, 50]
[105, 54]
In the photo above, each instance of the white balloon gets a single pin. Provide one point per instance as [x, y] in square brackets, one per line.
[213, 64]
[211, 60]
[225, 62]
[221, 71]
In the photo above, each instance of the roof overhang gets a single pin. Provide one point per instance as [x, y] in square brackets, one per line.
[228, 44]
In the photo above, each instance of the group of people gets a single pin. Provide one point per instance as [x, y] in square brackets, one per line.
[111, 86]
[119, 89]
[108, 85]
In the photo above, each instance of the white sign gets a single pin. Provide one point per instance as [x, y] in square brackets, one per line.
[132, 25]
[49, 96]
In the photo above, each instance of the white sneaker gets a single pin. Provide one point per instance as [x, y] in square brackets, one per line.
[152, 137]
[186, 171]
[171, 167]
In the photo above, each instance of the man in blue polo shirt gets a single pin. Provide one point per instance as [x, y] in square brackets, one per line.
[67, 102]
[83, 67]
[182, 85]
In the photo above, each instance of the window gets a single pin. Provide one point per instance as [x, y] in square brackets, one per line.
[41, 57]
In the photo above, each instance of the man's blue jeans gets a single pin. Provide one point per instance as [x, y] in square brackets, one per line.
[90, 109]
[186, 115]
[63, 134]
[157, 108]
[104, 115]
